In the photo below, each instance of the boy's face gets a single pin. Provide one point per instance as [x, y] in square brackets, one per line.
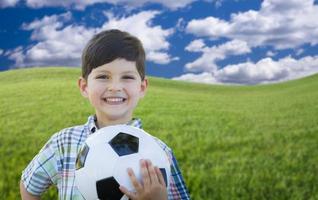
[114, 90]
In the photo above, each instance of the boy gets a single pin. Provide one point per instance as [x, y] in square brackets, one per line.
[113, 80]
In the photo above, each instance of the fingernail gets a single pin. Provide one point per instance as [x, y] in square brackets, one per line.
[142, 162]
[129, 170]
[121, 188]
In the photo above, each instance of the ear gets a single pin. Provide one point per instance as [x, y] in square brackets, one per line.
[143, 87]
[82, 84]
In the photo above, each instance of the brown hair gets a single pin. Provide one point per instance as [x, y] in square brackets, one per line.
[109, 45]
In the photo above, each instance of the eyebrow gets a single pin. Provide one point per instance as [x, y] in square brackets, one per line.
[124, 72]
[127, 72]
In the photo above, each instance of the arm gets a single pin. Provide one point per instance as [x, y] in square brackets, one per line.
[25, 195]
[37, 176]
[178, 189]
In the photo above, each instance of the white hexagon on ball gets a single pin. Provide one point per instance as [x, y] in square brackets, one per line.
[102, 162]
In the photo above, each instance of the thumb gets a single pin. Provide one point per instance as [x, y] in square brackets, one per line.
[129, 194]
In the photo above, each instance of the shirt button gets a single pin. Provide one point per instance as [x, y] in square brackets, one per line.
[93, 130]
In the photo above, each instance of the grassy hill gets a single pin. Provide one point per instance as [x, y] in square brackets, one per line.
[232, 142]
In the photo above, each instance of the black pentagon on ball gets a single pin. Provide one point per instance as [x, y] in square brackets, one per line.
[124, 144]
[108, 189]
[164, 174]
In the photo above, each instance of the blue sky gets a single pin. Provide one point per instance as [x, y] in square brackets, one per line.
[209, 41]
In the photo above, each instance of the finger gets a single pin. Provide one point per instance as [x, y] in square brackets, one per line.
[152, 172]
[130, 195]
[144, 173]
[160, 177]
[134, 180]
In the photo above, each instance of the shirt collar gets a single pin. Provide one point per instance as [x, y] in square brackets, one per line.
[91, 123]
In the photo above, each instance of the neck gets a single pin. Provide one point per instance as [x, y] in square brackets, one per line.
[103, 122]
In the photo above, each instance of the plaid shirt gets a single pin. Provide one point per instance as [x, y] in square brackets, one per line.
[55, 164]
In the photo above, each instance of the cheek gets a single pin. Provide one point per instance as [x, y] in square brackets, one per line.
[95, 94]
[133, 91]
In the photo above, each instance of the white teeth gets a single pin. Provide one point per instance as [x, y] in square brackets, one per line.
[114, 99]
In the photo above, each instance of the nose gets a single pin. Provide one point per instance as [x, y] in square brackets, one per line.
[114, 86]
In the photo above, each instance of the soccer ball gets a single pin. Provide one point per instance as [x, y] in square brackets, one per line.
[101, 165]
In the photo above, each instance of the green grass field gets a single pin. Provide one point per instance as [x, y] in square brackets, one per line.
[232, 142]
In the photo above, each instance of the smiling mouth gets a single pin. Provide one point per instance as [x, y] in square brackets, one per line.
[114, 100]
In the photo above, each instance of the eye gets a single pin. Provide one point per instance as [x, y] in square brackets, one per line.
[128, 77]
[102, 77]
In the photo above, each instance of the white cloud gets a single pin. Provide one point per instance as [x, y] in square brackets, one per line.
[210, 26]
[8, 3]
[279, 23]
[196, 46]
[57, 44]
[210, 55]
[16, 54]
[204, 77]
[48, 20]
[268, 70]
[299, 52]
[128, 3]
[48, 3]
[160, 57]
[169, 4]
[263, 71]
[1, 52]
[270, 53]
[154, 38]
[82, 4]
[181, 25]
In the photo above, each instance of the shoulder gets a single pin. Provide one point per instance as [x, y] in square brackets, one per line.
[163, 145]
[70, 135]
[166, 148]
[73, 132]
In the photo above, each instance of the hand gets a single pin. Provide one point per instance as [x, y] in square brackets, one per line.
[153, 187]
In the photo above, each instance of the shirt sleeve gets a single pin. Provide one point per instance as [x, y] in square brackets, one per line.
[41, 171]
[177, 189]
